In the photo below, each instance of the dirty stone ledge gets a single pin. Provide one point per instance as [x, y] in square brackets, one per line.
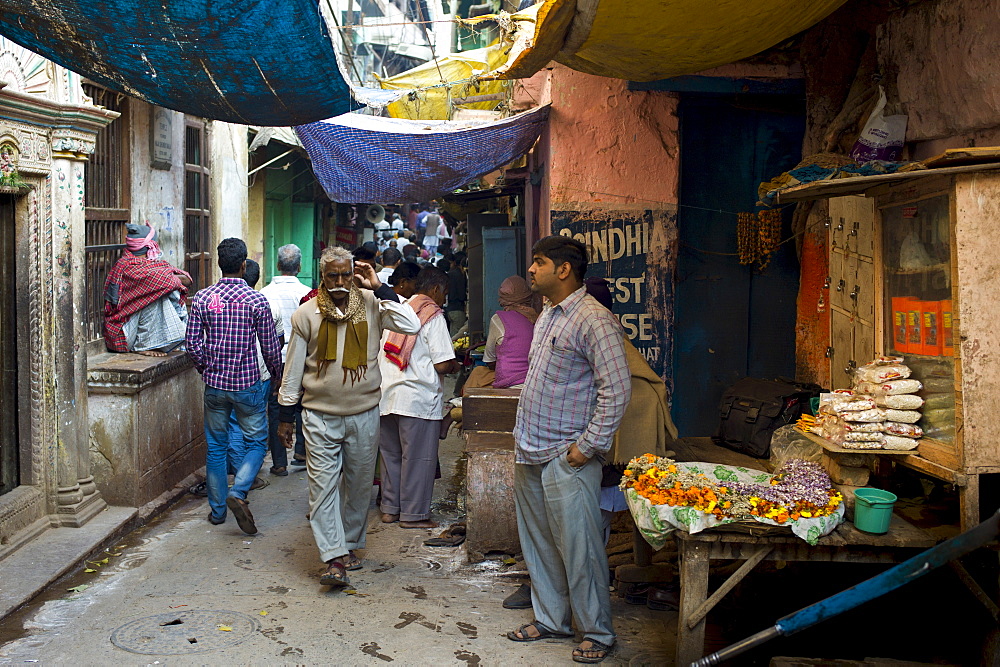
[57, 551]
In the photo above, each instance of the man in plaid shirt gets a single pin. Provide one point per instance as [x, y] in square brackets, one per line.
[225, 322]
[574, 398]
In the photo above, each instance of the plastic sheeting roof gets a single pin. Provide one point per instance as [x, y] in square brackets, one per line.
[369, 159]
[433, 103]
[256, 62]
[645, 40]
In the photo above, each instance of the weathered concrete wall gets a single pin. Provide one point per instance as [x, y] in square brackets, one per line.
[146, 430]
[158, 194]
[228, 194]
[942, 56]
[977, 210]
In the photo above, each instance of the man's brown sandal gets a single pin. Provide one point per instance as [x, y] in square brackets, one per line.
[335, 576]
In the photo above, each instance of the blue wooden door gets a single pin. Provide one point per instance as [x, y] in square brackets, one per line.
[503, 256]
[731, 321]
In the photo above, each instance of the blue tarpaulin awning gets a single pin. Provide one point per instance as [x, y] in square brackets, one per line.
[255, 62]
[369, 159]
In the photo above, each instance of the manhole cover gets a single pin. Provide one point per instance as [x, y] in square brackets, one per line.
[194, 631]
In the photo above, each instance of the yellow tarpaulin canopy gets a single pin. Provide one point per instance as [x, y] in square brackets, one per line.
[432, 103]
[645, 40]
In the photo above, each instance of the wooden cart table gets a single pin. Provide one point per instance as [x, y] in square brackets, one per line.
[845, 545]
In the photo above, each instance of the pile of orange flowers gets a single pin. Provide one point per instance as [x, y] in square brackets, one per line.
[657, 480]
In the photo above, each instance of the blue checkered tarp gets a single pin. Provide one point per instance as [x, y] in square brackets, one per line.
[255, 62]
[370, 159]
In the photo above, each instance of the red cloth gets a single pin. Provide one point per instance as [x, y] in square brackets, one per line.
[134, 283]
[398, 347]
[152, 247]
[313, 292]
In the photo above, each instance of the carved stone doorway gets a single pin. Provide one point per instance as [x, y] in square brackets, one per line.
[9, 445]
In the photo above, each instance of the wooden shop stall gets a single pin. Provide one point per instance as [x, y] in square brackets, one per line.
[915, 273]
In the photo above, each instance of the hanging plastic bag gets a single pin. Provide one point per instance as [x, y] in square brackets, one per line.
[883, 136]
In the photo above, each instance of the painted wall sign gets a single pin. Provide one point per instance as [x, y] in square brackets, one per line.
[636, 252]
[346, 237]
[161, 140]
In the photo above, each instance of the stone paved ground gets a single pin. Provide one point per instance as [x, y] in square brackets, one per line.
[414, 605]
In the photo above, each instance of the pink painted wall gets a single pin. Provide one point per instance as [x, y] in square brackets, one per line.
[611, 146]
[606, 146]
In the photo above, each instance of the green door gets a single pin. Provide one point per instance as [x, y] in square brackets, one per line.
[303, 234]
[290, 218]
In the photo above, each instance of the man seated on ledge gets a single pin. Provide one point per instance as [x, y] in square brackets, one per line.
[144, 298]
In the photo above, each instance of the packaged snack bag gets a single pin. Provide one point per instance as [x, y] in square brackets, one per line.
[899, 443]
[902, 416]
[900, 308]
[947, 330]
[907, 430]
[914, 330]
[900, 401]
[930, 328]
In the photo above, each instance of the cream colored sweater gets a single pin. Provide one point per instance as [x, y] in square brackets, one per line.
[328, 392]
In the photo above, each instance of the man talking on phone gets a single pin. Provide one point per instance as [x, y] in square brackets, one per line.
[332, 369]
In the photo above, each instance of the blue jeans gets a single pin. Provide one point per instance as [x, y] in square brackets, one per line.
[279, 455]
[250, 408]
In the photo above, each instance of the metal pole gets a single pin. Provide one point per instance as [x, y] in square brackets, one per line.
[256, 169]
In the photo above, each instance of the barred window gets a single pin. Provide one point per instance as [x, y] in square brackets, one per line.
[197, 232]
[106, 190]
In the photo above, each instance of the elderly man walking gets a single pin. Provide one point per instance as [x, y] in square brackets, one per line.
[332, 366]
[574, 398]
[284, 293]
[226, 321]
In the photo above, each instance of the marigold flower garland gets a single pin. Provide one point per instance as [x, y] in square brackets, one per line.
[799, 489]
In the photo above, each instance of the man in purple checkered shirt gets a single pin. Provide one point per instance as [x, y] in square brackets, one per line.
[226, 321]
[574, 398]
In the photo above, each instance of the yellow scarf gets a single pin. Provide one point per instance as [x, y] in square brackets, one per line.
[355, 359]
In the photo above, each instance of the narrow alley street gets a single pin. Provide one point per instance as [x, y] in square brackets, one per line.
[703, 295]
[411, 605]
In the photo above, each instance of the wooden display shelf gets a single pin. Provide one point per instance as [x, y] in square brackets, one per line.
[909, 458]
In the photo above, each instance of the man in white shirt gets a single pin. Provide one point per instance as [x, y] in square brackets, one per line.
[412, 402]
[284, 293]
[390, 260]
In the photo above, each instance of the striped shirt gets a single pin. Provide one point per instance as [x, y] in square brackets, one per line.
[578, 383]
[226, 321]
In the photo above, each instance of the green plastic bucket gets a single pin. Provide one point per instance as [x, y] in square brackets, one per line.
[873, 510]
